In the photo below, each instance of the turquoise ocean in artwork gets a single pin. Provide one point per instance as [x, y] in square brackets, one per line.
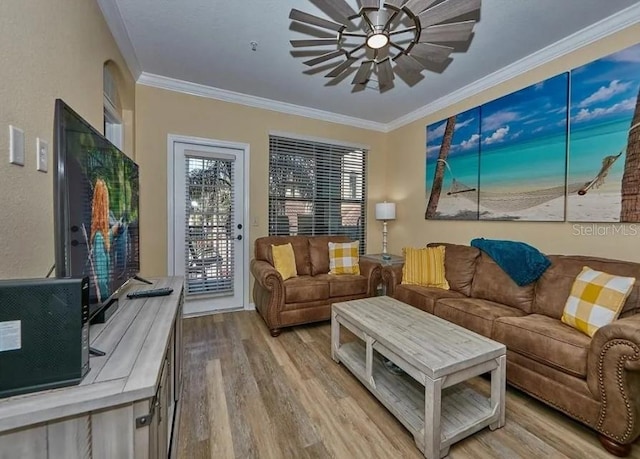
[589, 145]
[540, 162]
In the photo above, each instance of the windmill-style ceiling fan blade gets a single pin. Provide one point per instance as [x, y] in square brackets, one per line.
[447, 10]
[456, 31]
[429, 52]
[324, 57]
[313, 42]
[307, 18]
[385, 72]
[408, 63]
[418, 6]
[369, 4]
[395, 3]
[341, 68]
[364, 73]
[339, 6]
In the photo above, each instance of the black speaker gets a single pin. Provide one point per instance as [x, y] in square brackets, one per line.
[44, 334]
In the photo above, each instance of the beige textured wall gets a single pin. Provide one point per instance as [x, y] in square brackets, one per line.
[407, 180]
[160, 112]
[48, 49]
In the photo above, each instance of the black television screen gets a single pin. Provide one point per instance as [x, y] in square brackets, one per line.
[96, 189]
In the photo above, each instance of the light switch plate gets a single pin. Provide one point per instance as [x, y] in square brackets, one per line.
[16, 146]
[42, 155]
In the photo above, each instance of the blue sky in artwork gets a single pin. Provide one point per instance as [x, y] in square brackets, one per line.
[605, 89]
[533, 112]
[465, 135]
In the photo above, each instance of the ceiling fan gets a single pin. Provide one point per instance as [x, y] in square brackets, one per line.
[386, 35]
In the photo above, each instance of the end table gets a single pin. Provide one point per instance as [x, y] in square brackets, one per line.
[389, 260]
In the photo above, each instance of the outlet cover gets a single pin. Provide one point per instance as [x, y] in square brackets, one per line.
[16, 146]
[42, 155]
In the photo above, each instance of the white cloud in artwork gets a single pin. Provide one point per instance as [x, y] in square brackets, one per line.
[629, 55]
[497, 137]
[436, 133]
[586, 115]
[540, 129]
[539, 86]
[605, 93]
[498, 119]
[464, 123]
[439, 131]
[470, 143]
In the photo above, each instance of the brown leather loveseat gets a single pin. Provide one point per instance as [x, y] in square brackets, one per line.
[307, 297]
[594, 380]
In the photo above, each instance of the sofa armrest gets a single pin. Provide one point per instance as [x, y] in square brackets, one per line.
[392, 276]
[613, 376]
[373, 272]
[268, 293]
[265, 274]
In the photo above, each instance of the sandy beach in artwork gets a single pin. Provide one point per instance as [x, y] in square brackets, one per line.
[595, 206]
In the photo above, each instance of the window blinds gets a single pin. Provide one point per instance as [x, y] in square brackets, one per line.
[316, 189]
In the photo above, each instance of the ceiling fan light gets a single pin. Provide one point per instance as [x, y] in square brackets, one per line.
[377, 41]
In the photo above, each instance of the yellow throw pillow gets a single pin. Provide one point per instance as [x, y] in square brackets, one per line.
[344, 258]
[424, 266]
[596, 300]
[284, 260]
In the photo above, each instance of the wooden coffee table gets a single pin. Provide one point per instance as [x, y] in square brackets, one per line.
[435, 353]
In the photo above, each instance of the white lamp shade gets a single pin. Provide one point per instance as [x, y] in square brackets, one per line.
[386, 211]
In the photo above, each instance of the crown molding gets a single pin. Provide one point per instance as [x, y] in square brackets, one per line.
[186, 87]
[114, 21]
[584, 37]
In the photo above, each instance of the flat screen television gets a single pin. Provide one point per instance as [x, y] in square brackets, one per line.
[96, 208]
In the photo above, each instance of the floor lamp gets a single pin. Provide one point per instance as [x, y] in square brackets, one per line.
[385, 211]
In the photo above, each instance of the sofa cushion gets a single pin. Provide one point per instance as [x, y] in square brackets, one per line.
[554, 287]
[319, 252]
[545, 340]
[459, 265]
[421, 297]
[305, 288]
[474, 314]
[345, 284]
[491, 283]
[300, 246]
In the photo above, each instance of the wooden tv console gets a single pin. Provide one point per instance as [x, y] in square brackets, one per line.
[128, 403]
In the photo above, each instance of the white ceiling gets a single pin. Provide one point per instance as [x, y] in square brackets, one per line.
[208, 42]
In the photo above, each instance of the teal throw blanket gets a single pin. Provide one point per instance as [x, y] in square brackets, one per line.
[522, 262]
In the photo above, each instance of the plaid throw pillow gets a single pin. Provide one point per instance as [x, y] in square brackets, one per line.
[425, 267]
[344, 258]
[596, 300]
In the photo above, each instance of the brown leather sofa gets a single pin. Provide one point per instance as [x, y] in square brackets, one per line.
[594, 380]
[307, 297]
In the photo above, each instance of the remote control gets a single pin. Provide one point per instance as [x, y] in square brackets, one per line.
[148, 293]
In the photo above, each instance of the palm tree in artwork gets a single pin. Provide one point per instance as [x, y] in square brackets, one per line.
[630, 211]
[438, 176]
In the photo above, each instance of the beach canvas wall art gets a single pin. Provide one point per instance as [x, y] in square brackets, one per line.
[605, 106]
[523, 152]
[453, 148]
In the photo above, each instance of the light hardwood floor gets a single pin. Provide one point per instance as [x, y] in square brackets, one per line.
[248, 395]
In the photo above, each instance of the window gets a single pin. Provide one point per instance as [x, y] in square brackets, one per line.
[112, 109]
[316, 189]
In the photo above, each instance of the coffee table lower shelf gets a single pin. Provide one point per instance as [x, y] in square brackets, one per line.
[463, 412]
